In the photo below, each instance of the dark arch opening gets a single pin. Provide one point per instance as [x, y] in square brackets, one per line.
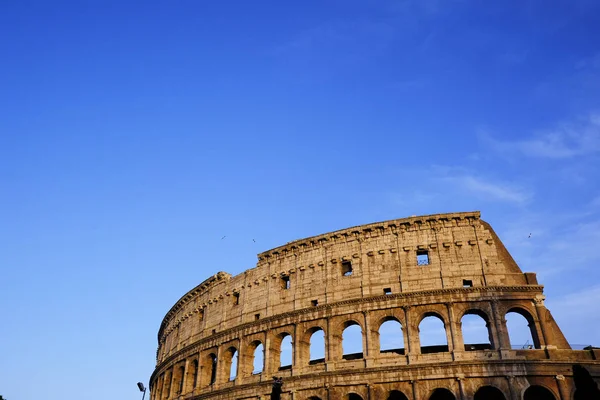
[397, 395]
[442, 394]
[354, 396]
[314, 398]
[489, 393]
[213, 368]
[585, 386]
[536, 392]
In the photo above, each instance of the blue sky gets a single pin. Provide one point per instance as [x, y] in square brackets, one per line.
[134, 135]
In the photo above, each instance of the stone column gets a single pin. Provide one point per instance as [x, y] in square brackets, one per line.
[366, 342]
[412, 333]
[370, 393]
[511, 387]
[295, 351]
[540, 310]
[184, 378]
[453, 334]
[159, 391]
[461, 388]
[563, 389]
[169, 381]
[267, 367]
[415, 389]
[500, 327]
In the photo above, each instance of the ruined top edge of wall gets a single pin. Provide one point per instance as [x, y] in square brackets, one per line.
[290, 246]
[394, 223]
[201, 288]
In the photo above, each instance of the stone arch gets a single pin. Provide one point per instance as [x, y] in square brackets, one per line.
[352, 340]
[273, 354]
[537, 392]
[191, 380]
[316, 335]
[442, 394]
[390, 336]
[178, 379]
[396, 395]
[432, 332]
[533, 335]
[230, 364]
[478, 320]
[489, 392]
[209, 369]
[286, 352]
[256, 357]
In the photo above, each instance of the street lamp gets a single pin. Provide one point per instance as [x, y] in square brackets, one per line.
[142, 389]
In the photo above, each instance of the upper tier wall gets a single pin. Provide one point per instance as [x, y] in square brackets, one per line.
[460, 248]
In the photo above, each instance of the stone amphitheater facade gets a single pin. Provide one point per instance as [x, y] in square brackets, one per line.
[444, 265]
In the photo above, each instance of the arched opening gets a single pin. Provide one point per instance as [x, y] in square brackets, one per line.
[489, 393]
[391, 339]
[317, 347]
[585, 386]
[180, 377]
[432, 334]
[354, 396]
[258, 358]
[442, 394]
[521, 329]
[476, 331]
[194, 374]
[232, 358]
[314, 398]
[209, 369]
[536, 392]
[397, 395]
[352, 341]
[287, 352]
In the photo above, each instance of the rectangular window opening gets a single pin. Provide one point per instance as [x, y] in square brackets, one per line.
[422, 257]
[285, 282]
[236, 299]
[314, 303]
[256, 317]
[467, 283]
[214, 331]
[387, 290]
[346, 268]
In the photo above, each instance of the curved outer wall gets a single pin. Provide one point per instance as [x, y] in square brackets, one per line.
[468, 271]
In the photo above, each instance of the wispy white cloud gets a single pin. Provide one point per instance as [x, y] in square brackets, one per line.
[566, 141]
[497, 191]
[484, 187]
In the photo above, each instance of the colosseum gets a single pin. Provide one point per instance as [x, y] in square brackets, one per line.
[225, 338]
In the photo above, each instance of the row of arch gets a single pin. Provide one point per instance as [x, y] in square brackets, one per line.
[475, 329]
[534, 392]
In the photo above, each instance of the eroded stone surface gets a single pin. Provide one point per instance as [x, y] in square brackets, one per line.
[446, 265]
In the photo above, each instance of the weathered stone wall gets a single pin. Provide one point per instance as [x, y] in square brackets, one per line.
[364, 276]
